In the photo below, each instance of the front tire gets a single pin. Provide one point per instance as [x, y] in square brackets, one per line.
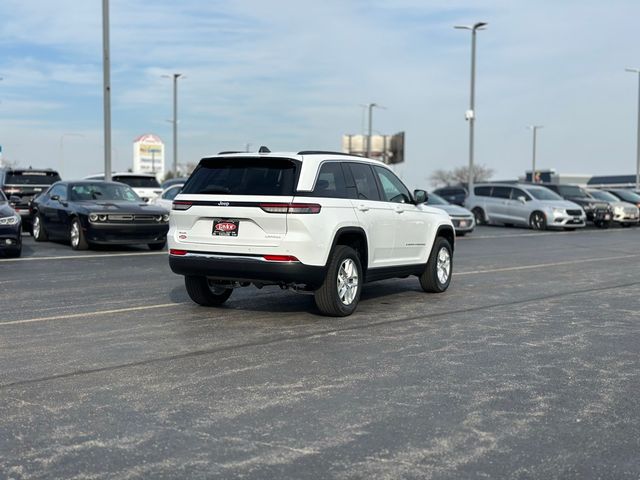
[157, 246]
[538, 221]
[37, 229]
[479, 215]
[340, 292]
[436, 277]
[205, 293]
[76, 236]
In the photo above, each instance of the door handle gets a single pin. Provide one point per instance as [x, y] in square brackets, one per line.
[399, 209]
[363, 208]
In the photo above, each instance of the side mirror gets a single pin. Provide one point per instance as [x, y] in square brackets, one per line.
[420, 196]
[14, 199]
[55, 197]
[522, 199]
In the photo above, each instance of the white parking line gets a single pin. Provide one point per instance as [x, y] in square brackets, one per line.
[75, 257]
[169, 305]
[545, 265]
[91, 314]
[540, 234]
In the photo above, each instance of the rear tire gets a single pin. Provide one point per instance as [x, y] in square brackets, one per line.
[204, 293]
[538, 221]
[602, 224]
[340, 292]
[37, 229]
[436, 277]
[479, 215]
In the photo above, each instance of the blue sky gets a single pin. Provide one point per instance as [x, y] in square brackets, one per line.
[291, 75]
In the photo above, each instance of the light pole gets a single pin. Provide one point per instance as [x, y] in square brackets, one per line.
[106, 72]
[637, 72]
[535, 129]
[370, 106]
[175, 77]
[62, 148]
[471, 114]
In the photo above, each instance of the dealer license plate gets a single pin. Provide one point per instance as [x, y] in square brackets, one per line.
[223, 227]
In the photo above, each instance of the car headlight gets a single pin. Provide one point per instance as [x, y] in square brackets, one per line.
[618, 210]
[558, 212]
[12, 220]
[165, 217]
[102, 218]
[93, 217]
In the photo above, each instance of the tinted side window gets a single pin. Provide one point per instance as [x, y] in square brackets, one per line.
[365, 181]
[60, 191]
[393, 189]
[171, 193]
[330, 182]
[516, 192]
[483, 191]
[501, 192]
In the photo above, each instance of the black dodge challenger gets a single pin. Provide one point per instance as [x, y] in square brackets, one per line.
[94, 212]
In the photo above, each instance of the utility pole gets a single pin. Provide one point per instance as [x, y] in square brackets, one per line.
[534, 128]
[637, 71]
[471, 114]
[106, 70]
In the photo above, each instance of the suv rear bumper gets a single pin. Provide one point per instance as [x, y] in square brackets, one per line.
[246, 268]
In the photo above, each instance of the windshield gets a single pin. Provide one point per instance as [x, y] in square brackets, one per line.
[31, 177]
[88, 192]
[243, 176]
[137, 182]
[572, 191]
[628, 196]
[541, 193]
[605, 196]
[436, 200]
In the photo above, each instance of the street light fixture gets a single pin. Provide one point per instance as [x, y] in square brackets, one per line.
[637, 72]
[535, 129]
[106, 94]
[62, 137]
[175, 77]
[470, 114]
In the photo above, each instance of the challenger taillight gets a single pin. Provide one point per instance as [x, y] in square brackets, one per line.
[290, 207]
[181, 205]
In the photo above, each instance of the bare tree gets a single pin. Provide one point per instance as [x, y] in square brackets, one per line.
[458, 175]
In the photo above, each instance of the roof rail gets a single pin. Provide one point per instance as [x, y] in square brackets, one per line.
[327, 152]
[226, 152]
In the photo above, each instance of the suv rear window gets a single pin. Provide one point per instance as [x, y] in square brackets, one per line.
[31, 177]
[243, 176]
[137, 182]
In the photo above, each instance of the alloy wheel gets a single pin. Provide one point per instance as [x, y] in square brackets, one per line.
[36, 227]
[347, 281]
[443, 265]
[75, 234]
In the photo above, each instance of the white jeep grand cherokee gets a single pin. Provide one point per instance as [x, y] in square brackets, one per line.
[320, 222]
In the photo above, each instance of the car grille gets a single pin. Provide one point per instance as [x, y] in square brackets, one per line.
[575, 213]
[130, 218]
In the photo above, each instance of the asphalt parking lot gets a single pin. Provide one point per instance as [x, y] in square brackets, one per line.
[528, 367]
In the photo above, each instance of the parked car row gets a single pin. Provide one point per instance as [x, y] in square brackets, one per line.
[546, 206]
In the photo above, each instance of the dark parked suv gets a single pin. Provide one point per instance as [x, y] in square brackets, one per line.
[25, 184]
[598, 212]
[452, 194]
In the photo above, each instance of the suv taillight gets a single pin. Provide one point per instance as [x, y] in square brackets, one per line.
[290, 207]
[181, 205]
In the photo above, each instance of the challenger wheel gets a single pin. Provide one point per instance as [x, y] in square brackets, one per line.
[37, 229]
[340, 292]
[76, 236]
